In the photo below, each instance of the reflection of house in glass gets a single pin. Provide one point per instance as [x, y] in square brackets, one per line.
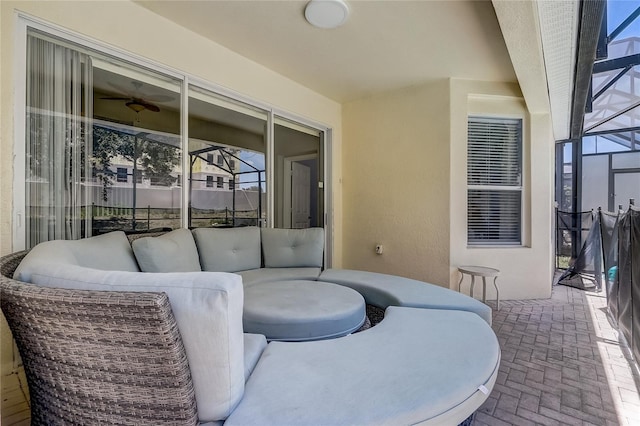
[139, 173]
[221, 179]
[213, 173]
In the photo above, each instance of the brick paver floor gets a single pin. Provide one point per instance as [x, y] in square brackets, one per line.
[562, 363]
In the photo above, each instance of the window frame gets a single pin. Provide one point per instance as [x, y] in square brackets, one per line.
[518, 188]
[122, 175]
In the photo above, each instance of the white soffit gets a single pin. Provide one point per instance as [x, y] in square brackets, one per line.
[519, 25]
[559, 25]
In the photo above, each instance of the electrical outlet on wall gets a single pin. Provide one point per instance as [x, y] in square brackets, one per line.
[379, 249]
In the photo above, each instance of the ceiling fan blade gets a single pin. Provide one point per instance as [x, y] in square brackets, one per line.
[120, 88]
[137, 95]
[158, 98]
[115, 98]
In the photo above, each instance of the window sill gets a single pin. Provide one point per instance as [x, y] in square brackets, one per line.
[496, 246]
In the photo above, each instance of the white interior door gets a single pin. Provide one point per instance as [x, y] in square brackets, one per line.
[300, 195]
[626, 186]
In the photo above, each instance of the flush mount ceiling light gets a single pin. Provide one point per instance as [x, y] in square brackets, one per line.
[326, 13]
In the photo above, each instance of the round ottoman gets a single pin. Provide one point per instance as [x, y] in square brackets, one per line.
[300, 310]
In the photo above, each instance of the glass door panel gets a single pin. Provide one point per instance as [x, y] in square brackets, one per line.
[136, 154]
[227, 169]
[103, 144]
[299, 175]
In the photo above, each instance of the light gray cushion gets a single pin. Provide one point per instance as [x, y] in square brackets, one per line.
[262, 275]
[208, 310]
[390, 290]
[174, 251]
[292, 248]
[228, 250]
[302, 310]
[254, 345]
[109, 252]
[396, 373]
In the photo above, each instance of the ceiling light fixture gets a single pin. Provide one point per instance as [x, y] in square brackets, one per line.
[326, 13]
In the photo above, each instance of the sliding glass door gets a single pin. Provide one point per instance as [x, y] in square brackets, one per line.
[111, 144]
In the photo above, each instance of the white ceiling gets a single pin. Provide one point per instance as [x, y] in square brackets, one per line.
[385, 45]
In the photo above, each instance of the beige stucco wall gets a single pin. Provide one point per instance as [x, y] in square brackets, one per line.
[526, 271]
[130, 27]
[396, 182]
[404, 186]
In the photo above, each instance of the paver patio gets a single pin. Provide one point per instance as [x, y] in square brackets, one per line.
[562, 363]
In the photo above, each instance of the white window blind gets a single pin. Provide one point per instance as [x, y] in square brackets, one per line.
[494, 181]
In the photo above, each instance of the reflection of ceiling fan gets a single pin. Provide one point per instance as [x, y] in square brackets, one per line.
[135, 99]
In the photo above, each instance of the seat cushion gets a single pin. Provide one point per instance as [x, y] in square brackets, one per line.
[228, 250]
[263, 275]
[208, 311]
[292, 248]
[108, 252]
[390, 290]
[174, 251]
[417, 365]
[254, 345]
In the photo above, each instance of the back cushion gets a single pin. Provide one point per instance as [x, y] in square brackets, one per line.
[292, 248]
[108, 252]
[208, 311]
[174, 251]
[228, 250]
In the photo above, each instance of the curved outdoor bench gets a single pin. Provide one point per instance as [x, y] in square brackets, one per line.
[434, 365]
[384, 290]
[396, 373]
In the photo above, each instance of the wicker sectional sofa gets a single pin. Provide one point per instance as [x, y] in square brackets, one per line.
[173, 336]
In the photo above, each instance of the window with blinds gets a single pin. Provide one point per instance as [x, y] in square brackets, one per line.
[494, 181]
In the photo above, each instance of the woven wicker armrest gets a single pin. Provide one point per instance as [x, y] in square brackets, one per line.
[97, 357]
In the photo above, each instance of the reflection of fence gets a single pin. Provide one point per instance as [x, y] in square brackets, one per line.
[223, 217]
[104, 218]
[107, 218]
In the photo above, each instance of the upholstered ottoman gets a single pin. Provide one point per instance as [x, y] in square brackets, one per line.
[298, 310]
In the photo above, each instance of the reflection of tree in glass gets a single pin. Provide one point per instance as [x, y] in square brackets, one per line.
[158, 161]
[155, 160]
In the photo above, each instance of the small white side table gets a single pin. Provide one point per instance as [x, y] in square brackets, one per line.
[484, 272]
